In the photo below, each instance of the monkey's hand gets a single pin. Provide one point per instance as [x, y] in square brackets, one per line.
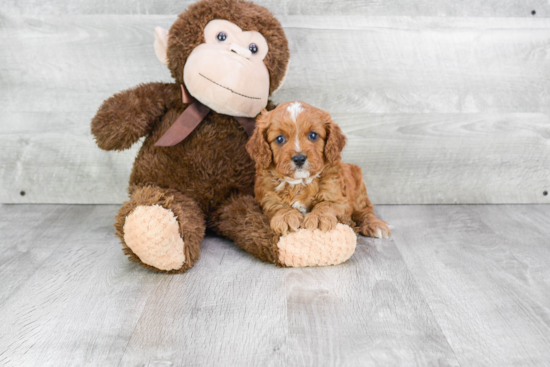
[127, 116]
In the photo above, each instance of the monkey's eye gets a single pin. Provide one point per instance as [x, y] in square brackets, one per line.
[313, 136]
[222, 36]
[280, 140]
[253, 48]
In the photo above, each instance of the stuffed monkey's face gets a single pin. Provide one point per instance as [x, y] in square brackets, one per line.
[227, 72]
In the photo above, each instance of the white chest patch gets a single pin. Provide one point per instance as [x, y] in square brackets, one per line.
[305, 180]
[301, 173]
[301, 207]
[289, 181]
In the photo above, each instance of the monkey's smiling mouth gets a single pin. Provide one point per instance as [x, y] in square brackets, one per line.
[229, 89]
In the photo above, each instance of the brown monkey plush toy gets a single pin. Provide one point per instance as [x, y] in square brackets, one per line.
[193, 171]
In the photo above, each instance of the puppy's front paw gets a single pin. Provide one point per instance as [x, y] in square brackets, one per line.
[283, 223]
[323, 222]
[375, 228]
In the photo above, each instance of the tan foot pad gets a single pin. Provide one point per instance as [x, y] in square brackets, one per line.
[152, 232]
[317, 248]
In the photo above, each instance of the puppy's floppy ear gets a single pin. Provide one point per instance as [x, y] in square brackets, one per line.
[257, 146]
[335, 141]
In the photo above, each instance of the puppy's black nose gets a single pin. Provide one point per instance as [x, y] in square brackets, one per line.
[299, 159]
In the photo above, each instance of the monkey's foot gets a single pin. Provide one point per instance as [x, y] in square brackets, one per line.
[317, 248]
[152, 233]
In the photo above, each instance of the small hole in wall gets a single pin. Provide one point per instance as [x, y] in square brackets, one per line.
[533, 12]
[22, 193]
[545, 193]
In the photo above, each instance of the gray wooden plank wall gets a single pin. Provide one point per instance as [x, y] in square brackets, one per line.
[453, 8]
[445, 102]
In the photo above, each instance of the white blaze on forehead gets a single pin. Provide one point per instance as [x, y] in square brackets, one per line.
[297, 143]
[295, 108]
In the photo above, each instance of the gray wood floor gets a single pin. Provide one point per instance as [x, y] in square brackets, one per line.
[454, 286]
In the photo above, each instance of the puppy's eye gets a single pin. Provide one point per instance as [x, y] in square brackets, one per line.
[253, 48]
[222, 36]
[313, 136]
[280, 140]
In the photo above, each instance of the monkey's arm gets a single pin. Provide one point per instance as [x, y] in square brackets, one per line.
[127, 116]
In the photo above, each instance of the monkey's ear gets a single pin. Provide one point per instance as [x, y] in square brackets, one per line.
[161, 44]
[284, 77]
[335, 141]
[257, 146]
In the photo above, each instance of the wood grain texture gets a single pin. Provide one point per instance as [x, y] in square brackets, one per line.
[451, 158]
[455, 286]
[235, 311]
[469, 8]
[30, 235]
[80, 305]
[366, 312]
[87, 305]
[62, 164]
[419, 65]
[230, 309]
[484, 273]
[437, 110]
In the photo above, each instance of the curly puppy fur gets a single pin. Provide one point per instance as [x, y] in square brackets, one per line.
[301, 181]
[210, 173]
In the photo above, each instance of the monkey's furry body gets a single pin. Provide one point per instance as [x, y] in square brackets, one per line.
[206, 180]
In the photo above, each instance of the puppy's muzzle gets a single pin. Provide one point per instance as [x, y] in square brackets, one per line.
[299, 160]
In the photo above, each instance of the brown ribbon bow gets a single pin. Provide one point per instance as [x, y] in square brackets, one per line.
[191, 118]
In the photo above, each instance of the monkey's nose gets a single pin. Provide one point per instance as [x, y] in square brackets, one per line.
[299, 160]
[239, 50]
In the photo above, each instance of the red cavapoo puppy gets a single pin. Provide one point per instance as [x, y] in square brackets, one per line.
[300, 180]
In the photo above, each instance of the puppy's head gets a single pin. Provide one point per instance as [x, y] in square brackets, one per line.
[296, 140]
